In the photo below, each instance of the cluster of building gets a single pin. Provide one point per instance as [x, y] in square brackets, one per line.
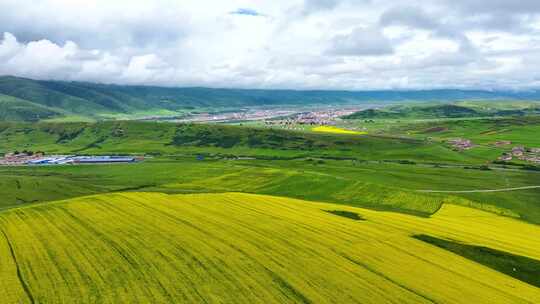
[522, 153]
[19, 159]
[248, 115]
[327, 117]
[461, 144]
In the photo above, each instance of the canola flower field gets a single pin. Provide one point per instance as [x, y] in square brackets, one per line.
[245, 248]
[336, 130]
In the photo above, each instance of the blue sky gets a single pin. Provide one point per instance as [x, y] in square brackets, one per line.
[246, 11]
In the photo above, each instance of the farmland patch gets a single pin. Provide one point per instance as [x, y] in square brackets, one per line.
[243, 248]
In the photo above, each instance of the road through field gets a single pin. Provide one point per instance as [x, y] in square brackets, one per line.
[480, 191]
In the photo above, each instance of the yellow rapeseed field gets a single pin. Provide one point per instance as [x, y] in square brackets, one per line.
[243, 248]
[331, 129]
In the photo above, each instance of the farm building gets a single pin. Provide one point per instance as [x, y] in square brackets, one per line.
[104, 159]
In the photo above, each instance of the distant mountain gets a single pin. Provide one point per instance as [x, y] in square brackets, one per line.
[460, 110]
[431, 111]
[38, 99]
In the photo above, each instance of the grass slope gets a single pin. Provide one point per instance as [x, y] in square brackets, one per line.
[422, 111]
[240, 248]
[167, 138]
[518, 130]
[455, 110]
[377, 185]
[15, 109]
[36, 92]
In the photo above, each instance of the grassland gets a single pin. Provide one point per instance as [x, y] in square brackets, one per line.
[14, 109]
[481, 130]
[241, 248]
[172, 139]
[383, 173]
[251, 215]
[519, 130]
[485, 133]
[462, 109]
[377, 185]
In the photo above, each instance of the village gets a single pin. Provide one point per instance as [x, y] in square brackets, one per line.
[460, 144]
[325, 117]
[282, 116]
[522, 153]
[29, 158]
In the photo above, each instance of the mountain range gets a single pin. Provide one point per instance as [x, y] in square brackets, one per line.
[24, 99]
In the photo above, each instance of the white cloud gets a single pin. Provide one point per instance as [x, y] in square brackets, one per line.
[361, 42]
[327, 44]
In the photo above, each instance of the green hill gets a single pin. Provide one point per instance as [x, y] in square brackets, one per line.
[15, 109]
[166, 138]
[102, 101]
[422, 111]
[455, 110]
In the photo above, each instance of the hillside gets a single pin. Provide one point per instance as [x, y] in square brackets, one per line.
[215, 248]
[379, 172]
[166, 138]
[15, 109]
[101, 101]
[457, 110]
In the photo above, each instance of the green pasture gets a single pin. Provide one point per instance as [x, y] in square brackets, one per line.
[377, 185]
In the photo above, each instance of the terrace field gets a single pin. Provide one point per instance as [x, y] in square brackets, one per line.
[214, 248]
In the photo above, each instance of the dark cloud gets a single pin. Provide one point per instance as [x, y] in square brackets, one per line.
[417, 18]
[496, 6]
[408, 16]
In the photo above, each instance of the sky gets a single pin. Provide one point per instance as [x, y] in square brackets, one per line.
[292, 44]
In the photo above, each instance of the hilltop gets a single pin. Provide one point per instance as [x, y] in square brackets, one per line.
[43, 99]
[454, 110]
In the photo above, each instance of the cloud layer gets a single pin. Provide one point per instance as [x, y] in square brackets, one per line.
[303, 44]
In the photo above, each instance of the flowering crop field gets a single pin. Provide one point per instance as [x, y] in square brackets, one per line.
[336, 130]
[245, 248]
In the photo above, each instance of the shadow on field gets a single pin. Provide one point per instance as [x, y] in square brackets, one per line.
[522, 268]
[347, 214]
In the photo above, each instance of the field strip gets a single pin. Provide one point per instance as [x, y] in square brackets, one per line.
[245, 248]
[480, 191]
